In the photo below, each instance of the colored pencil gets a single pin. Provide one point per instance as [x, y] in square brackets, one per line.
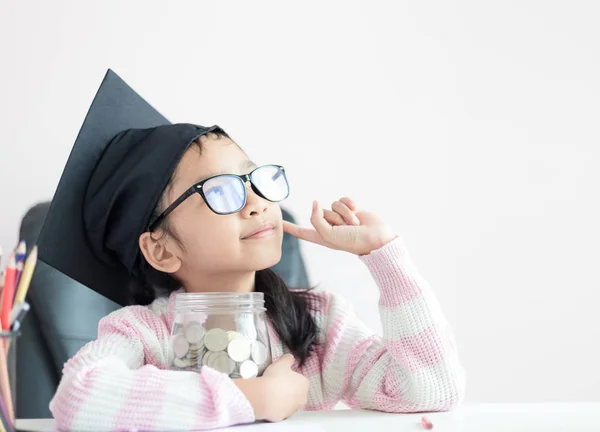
[6, 426]
[8, 292]
[23, 287]
[18, 272]
[5, 386]
[20, 254]
[21, 251]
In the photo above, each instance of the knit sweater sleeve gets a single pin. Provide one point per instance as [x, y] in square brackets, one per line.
[414, 366]
[113, 383]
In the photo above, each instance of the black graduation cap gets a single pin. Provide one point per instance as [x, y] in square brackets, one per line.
[120, 163]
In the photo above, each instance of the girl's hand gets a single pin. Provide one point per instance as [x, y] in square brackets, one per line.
[278, 393]
[344, 227]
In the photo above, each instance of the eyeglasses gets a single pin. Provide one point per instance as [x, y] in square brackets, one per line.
[226, 193]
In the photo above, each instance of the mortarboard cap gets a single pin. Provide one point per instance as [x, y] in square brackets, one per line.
[122, 159]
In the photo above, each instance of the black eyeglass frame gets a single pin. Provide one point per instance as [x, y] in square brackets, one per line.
[197, 188]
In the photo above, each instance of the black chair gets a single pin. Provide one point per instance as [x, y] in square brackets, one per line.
[64, 316]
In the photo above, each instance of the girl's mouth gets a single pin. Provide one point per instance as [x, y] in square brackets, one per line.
[261, 233]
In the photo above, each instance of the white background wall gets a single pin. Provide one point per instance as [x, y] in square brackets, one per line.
[472, 127]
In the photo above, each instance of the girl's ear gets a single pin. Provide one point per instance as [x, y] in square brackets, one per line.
[159, 253]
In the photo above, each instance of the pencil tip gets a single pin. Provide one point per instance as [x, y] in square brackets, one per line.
[22, 248]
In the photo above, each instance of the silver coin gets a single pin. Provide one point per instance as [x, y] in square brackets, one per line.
[216, 339]
[259, 352]
[196, 354]
[212, 357]
[181, 363]
[194, 332]
[199, 344]
[196, 349]
[248, 369]
[233, 335]
[206, 358]
[221, 362]
[197, 359]
[239, 349]
[180, 346]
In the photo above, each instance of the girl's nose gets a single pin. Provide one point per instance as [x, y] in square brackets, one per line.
[255, 204]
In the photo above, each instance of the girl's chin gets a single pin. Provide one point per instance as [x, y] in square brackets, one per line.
[266, 259]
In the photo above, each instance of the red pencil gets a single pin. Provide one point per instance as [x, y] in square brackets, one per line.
[8, 293]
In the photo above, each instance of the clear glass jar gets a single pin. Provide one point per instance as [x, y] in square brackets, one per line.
[225, 331]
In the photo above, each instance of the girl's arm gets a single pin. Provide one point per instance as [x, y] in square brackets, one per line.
[413, 367]
[108, 385]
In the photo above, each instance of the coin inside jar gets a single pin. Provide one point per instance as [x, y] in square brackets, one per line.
[195, 353]
[233, 335]
[221, 362]
[239, 349]
[194, 332]
[181, 363]
[259, 352]
[248, 369]
[206, 357]
[180, 346]
[216, 339]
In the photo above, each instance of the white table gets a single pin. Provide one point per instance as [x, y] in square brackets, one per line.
[469, 417]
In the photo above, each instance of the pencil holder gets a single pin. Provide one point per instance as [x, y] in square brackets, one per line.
[8, 373]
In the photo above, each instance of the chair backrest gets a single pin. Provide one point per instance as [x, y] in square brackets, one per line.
[64, 317]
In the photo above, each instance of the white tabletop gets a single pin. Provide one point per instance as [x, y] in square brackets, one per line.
[469, 417]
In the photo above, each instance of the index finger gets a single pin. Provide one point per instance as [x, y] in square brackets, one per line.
[302, 233]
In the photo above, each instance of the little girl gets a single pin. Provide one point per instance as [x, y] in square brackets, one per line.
[181, 208]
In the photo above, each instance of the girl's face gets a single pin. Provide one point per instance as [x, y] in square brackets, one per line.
[214, 252]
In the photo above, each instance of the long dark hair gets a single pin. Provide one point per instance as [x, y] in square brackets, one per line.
[288, 310]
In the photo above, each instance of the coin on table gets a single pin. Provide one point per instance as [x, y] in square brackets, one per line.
[194, 332]
[239, 349]
[216, 339]
[180, 346]
[259, 352]
[248, 369]
[221, 362]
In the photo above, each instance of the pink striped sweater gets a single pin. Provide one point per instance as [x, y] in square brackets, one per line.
[121, 381]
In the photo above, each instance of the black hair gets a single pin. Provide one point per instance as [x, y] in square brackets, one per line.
[288, 310]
